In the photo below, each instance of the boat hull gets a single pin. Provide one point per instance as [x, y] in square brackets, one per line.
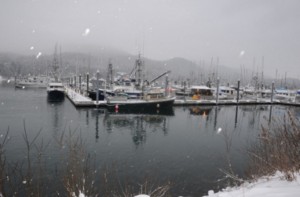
[30, 85]
[55, 95]
[101, 93]
[141, 105]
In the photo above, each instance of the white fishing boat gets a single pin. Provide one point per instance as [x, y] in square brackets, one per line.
[264, 93]
[249, 91]
[283, 94]
[33, 82]
[297, 97]
[225, 93]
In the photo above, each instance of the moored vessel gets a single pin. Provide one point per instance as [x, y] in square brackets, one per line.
[55, 91]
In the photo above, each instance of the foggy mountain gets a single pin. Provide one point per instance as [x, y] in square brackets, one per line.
[81, 62]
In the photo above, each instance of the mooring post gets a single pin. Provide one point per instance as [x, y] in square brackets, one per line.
[80, 83]
[217, 93]
[87, 82]
[75, 84]
[238, 92]
[272, 93]
[97, 91]
[184, 89]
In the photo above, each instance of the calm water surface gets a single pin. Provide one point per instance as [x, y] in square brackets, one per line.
[188, 146]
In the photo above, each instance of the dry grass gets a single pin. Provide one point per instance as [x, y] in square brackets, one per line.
[277, 149]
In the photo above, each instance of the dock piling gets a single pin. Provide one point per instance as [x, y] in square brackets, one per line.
[272, 93]
[238, 92]
[217, 92]
[87, 83]
[80, 83]
[97, 92]
[75, 84]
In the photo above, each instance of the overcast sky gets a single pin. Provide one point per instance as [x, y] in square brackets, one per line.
[235, 31]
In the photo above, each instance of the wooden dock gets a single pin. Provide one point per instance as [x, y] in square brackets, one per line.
[80, 100]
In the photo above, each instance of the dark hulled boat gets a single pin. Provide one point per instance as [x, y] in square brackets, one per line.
[150, 102]
[55, 92]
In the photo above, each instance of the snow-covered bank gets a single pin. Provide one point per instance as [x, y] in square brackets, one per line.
[267, 187]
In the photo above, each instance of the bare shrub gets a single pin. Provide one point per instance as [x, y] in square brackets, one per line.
[277, 149]
[78, 173]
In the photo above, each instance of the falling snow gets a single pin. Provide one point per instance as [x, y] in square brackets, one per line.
[86, 32]
[38, 55]
[242, 53]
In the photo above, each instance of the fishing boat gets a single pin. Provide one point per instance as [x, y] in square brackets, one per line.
[264, 93]
[297, 97]
[225, 92]
[112, 86]
[33, 82]
[249, 91]
[195, 92]
[56, 91]
[132, 85]
[151, 101]
[283, 94]
[182, 91]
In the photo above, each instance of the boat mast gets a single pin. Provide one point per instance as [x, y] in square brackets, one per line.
[110, 74]
[262, 72]
[139, 72]
[55, 64]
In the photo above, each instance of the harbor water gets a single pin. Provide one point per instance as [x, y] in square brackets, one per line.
[188, 148]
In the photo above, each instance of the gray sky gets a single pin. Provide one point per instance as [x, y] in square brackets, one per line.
[235, 31]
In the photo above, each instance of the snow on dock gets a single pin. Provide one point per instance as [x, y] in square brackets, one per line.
[223, 102]
[80, 100]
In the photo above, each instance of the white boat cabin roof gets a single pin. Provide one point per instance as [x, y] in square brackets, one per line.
[55, 84]
[200, 87]
[225, 88]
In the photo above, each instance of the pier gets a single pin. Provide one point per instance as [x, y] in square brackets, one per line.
[80, 100]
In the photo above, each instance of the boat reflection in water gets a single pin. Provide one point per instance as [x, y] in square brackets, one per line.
[157, 111]
[201, 110]
[137, 124]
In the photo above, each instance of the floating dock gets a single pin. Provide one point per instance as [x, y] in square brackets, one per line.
[224, 102]
[79, 100]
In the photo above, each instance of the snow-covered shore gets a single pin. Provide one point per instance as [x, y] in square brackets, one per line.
[266, 186]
